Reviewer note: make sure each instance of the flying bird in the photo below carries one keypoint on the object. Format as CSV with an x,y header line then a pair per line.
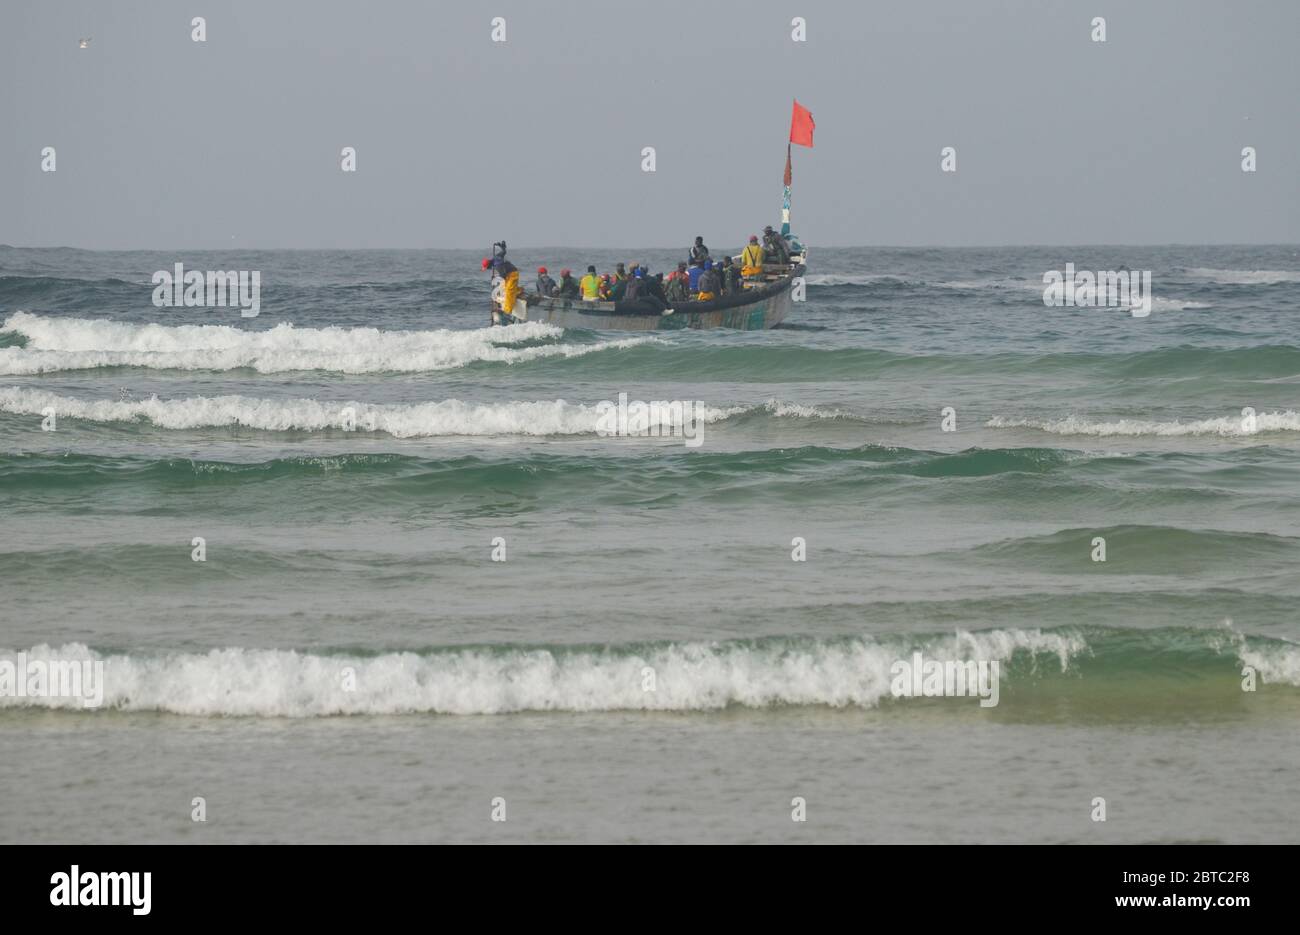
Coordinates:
x,y
83,43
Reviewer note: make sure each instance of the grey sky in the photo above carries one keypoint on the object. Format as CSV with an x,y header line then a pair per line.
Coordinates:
x,y
167,143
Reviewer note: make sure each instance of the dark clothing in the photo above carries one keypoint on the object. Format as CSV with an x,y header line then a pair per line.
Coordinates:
x,y
699,253
568,288
545,285
651,292
732,283
618,290
632,290
709,282
653,288
775,249
677,290
503,267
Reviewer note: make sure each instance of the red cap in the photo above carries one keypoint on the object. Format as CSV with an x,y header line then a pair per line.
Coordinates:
x,y
541,270
753,238
486,262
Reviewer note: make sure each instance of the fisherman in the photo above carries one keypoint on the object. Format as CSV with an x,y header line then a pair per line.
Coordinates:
x,y
509,276
694,274
775,249
731,282
590,285
632,286
618,284
708,284
545,284
699,252
606,286
620,274
568,287
652,288
751,259
678,289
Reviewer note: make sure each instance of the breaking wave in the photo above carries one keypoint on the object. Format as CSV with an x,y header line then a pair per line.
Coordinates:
x,y
1224,426
687,676
1245,277
55,344
429,419
845,672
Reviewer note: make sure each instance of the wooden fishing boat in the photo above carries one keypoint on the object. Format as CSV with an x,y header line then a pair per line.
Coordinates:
x,y
762,303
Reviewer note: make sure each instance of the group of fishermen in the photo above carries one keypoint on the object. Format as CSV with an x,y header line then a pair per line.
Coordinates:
x,y
696,278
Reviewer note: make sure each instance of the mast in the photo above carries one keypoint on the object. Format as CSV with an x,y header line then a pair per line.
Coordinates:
x,y
801,132
785,206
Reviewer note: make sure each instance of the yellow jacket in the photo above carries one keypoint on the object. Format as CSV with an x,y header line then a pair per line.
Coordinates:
x,y
590,286
751,258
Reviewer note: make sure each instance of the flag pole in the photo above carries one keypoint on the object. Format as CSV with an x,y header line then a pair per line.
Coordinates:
x,y
785,207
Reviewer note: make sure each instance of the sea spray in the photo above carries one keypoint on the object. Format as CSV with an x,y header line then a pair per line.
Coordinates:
x,y
56,344
688,676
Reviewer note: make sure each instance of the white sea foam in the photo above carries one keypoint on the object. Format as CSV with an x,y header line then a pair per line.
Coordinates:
x,y
1226,426
444,417
1161,304
794,410
414,420
1035,286
694,676
1245,277
969,285
862,279
55,344
1276,664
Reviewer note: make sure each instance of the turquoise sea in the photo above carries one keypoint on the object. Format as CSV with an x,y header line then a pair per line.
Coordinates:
x,y
649,663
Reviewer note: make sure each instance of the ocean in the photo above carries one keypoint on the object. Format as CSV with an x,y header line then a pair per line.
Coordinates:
x,y
352,660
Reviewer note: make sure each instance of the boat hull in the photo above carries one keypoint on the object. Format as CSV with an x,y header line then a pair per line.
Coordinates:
x,y
767,309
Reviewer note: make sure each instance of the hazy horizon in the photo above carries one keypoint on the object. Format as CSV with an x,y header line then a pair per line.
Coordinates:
x,y
236,141
516,248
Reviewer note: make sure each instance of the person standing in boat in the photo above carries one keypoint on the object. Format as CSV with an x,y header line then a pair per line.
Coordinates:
x,y
699,252
751,259
678,289
568,287
618,284
632,285
708,283
730,277
545,284
652,288
694,273
591,286
774,247
509,276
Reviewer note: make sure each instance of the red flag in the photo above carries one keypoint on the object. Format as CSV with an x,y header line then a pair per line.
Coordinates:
x,y
801,126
